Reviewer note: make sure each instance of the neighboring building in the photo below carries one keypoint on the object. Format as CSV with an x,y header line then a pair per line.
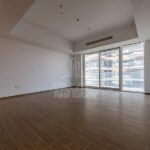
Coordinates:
x,y
132,68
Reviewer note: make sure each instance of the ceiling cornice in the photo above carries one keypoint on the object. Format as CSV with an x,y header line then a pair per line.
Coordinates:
x,y
32,43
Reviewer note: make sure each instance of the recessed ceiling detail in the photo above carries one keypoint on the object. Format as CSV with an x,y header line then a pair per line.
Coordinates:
x,y
99,40
11,11
76,16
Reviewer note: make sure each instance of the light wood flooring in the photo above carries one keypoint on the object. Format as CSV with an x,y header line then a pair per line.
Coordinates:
x,y
75,119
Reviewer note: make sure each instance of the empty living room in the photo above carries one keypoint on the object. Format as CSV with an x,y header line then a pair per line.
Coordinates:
x,y
74,74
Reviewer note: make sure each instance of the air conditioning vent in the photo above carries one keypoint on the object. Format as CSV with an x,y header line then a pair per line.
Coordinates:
x,y
100,40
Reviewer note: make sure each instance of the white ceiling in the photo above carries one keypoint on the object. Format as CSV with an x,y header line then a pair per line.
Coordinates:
x,y
141,10
11,11
100,15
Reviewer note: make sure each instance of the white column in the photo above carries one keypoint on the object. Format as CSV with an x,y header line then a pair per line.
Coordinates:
x,y
147,66
78,71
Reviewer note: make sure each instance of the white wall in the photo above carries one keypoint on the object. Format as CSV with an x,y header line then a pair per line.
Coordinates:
x,y
27,69
123,34
141,10
147,66
34,33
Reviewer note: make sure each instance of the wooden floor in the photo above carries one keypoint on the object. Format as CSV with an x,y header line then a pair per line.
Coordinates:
x,y
75,119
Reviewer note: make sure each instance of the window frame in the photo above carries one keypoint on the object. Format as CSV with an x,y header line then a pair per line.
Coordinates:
x,y
99,52
85,68
122,69
120,49
107,50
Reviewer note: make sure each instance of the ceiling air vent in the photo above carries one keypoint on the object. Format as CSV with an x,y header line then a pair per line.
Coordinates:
x,y
100,40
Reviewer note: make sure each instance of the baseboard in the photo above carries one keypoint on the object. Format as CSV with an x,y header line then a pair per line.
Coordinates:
x,y
110,89
147,93
8,97
33,93
77,87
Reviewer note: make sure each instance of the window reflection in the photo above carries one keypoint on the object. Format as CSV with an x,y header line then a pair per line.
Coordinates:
x,y
133,67
110,68
92,70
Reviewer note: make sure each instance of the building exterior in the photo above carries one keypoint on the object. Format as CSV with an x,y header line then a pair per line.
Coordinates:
x,y
102,69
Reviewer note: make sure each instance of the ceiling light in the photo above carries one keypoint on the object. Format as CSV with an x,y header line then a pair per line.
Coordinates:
x,y
78,19
61,9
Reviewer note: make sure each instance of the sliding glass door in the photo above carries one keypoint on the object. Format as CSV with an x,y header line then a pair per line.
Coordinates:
x,y
92,70
109,68
133,67
116,68
102,69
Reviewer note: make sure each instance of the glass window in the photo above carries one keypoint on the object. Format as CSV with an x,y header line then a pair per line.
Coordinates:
x,y
102,69
92,70
109,72
133,67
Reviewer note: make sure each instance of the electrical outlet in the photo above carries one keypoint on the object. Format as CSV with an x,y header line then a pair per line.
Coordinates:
x,y
16,87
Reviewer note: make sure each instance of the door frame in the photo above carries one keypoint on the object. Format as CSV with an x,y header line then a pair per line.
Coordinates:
x,y
84,70
117,48
120,69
